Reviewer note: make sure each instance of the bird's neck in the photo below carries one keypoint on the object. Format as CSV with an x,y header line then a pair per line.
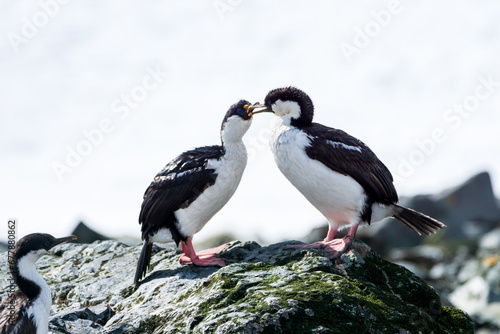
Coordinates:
x,y
281,123
234,149
233,130
285,120
31,283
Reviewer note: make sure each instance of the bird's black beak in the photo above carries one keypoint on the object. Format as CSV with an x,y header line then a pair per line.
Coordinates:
x,y
251,110
61,240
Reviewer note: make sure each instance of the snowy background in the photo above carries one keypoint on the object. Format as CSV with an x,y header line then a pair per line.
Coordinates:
x,y
417,81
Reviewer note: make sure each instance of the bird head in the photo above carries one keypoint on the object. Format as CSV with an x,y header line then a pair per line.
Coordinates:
x,y
35,245
291,104
236,122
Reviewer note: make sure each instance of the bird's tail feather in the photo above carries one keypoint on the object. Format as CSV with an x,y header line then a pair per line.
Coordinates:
x,y
418,222
144,260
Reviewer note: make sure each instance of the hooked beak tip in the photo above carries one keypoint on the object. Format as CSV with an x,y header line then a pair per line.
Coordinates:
x,y
65,239
256,105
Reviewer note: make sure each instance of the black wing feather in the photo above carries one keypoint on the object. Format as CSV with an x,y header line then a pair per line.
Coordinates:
x,y
176,186
359,162
20,323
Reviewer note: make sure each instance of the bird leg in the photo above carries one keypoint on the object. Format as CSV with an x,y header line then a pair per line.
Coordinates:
x,y
332,233
205,258
333,248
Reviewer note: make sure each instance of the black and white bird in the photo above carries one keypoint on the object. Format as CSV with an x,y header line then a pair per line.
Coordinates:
x,y
27,311
336,172
191,189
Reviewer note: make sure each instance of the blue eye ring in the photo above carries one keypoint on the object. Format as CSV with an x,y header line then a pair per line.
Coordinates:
x,y
269,103
239,111
46,243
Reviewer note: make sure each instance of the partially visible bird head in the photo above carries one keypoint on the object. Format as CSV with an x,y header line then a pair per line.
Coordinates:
x,y
33,246
291,104
236,122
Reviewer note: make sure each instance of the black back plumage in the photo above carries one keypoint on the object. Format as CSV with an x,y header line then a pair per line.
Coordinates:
x,y
14,318
355,160
175,187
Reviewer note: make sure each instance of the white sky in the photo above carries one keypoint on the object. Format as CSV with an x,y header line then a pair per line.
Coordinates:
x,y
65,69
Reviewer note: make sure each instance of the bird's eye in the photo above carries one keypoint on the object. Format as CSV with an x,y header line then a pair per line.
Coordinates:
x,y
239,111
269,103
46,244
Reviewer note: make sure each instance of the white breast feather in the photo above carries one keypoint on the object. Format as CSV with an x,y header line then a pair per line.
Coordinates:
x,y
229,170
338,197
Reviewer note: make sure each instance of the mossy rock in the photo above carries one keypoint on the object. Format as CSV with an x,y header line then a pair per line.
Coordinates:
x,y
261,290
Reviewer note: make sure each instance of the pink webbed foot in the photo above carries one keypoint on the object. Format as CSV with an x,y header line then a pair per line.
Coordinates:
x,y
205,258
335,248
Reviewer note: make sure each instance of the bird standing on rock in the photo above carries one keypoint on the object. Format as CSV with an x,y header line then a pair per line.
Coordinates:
x,y
191,189
337,173
27,311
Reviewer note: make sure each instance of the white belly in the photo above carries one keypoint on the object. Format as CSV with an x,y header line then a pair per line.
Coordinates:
x,y
229,171
338,197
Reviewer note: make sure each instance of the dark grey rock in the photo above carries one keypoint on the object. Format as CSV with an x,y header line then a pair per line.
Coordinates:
x,y
470,203
78,319
86,235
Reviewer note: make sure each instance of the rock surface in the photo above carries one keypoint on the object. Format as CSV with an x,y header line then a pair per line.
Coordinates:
x,y
262,290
